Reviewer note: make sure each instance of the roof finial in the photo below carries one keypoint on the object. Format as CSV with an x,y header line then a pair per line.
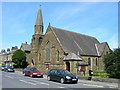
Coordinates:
x,y
49,23
40,6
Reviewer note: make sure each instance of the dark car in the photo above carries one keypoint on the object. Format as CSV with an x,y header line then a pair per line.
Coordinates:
x,y
62,76
32,72
9,69
2,67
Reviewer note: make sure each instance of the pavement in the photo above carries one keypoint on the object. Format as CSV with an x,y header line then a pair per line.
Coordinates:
x,y
93,83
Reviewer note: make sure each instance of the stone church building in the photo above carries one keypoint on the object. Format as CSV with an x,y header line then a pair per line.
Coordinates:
x,y
62,49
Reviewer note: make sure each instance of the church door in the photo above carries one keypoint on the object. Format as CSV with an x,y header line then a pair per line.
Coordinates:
x,y
68,66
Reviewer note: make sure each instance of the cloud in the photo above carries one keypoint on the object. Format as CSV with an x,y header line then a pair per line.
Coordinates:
x,y
113,41
63,13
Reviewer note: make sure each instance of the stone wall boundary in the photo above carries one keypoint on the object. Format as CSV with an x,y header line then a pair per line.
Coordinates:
x,y
109,80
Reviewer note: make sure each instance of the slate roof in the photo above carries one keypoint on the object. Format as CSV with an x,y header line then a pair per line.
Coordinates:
x,y
25,47
101,47
78,43
72,56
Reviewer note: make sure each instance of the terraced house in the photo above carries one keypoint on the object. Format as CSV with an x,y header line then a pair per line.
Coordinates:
x,y
63,49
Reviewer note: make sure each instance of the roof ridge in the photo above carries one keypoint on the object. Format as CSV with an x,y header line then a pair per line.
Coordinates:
x,y
24,44
103,42
74,32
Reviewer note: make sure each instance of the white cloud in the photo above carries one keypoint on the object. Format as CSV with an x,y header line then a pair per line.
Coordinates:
x,y
65,12
113,41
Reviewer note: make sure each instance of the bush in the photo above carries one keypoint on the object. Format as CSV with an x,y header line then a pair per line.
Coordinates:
x,y
112,64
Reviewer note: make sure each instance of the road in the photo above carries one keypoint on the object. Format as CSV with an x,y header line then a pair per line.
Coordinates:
x,y
17,80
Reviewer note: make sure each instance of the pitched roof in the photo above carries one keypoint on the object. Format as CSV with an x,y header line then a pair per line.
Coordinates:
x,y
72,56
25,47
77,43
101,47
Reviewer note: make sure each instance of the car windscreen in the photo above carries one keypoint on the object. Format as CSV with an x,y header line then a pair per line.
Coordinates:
x,y
10,67
65,72
33,69
3,66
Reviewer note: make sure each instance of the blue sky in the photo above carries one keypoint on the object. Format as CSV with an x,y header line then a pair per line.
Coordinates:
x,y
97,19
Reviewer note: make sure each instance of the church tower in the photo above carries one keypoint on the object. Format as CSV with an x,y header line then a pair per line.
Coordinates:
x,y
37,38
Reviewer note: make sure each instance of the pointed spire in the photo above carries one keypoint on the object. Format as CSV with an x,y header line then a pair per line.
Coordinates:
x,y
39,20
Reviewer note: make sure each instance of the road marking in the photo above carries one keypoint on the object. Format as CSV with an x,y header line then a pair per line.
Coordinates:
x,y
44,83
93,85
39,82
27,82
9,77
60,87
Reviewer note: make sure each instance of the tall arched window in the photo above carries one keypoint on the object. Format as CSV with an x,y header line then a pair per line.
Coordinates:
x,y
48,51
96,61
40,40
58,55
39,57
89,61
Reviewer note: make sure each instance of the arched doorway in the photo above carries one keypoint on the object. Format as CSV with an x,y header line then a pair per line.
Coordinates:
x,y
68,66
32,62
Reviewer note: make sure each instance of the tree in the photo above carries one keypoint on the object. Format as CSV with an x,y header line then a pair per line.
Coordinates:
x,y
19,59
112,64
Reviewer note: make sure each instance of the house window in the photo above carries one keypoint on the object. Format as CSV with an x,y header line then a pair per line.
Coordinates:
x,y
48,51
58,55
89,61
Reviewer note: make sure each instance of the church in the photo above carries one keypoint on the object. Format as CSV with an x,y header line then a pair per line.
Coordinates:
x,y
63,49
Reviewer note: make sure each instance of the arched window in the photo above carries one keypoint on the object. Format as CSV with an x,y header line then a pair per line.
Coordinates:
x,y
96,61
89,61
39,57
48,51
40,40
58,55
106,53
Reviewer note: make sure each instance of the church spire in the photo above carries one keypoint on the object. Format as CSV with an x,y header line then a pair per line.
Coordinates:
x,y
39,22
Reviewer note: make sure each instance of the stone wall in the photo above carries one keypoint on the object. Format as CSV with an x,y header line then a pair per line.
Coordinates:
x,y
109,80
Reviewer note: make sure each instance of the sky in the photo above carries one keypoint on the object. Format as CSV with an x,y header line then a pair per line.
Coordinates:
x,y
97,19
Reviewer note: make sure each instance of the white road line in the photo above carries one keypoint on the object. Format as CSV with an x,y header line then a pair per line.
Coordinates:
x,y
9,77
93,85
40,82
27,82
60,87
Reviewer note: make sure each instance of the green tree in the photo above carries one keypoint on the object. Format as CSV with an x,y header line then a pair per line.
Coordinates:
x,y
19,59
112,64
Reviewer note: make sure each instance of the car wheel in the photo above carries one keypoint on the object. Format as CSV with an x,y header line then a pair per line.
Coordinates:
x,y
24,74
48,78
62,81
76,82
31,75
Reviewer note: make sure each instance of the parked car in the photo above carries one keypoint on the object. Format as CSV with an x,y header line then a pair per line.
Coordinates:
x,y
2,67
32,72
62,76
9,69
